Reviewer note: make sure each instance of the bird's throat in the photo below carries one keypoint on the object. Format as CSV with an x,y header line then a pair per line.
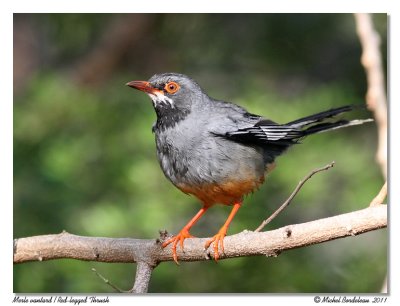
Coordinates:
x,y
168,116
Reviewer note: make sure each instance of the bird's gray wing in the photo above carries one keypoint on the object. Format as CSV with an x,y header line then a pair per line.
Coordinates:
x,y
266,133
241,126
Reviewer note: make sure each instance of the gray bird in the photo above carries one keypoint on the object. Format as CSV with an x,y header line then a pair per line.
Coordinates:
x,y
216,150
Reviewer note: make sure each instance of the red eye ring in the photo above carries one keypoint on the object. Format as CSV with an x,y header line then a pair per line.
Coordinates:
x,y
171,87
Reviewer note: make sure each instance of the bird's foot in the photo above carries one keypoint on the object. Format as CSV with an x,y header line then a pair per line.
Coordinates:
x,y
182,235
217,239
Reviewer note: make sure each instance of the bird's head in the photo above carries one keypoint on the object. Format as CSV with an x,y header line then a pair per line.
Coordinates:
x,y
170,92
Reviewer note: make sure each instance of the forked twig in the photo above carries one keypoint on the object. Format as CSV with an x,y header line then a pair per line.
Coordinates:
x,y
287,202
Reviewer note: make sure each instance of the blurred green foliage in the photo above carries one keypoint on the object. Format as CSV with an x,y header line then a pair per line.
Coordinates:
x,y
85,160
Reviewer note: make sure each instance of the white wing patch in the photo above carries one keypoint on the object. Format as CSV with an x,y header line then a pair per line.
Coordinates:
x,y
276,132
281,132
272,132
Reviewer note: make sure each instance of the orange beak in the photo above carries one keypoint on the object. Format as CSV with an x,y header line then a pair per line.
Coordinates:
x,y
143,86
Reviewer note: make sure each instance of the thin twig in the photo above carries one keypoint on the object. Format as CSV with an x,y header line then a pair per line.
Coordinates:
x,y
108,282
287,202
378,200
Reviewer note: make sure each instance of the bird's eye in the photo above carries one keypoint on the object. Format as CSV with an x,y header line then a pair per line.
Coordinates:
x,y
171,87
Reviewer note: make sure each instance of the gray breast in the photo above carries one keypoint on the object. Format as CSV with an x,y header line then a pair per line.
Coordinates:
x,y
189,154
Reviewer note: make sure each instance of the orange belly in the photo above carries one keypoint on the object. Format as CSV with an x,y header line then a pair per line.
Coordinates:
x,y
227,192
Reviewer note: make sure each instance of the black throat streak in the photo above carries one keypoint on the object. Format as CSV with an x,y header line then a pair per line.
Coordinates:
x,y
168,116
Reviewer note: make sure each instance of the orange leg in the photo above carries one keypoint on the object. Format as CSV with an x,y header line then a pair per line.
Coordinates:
x,y
183,234
219,237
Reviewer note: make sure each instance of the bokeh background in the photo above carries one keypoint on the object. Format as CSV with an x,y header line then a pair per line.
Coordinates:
x,y
85,160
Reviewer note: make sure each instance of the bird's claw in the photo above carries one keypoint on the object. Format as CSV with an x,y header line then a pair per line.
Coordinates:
x,y
182,235
217,239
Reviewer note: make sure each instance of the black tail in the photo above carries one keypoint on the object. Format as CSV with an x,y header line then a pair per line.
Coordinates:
x,y
309,125
278,137
321,116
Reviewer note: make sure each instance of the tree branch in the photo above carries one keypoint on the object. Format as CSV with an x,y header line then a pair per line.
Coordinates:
x,y
380,196
246,243
142,279
376,96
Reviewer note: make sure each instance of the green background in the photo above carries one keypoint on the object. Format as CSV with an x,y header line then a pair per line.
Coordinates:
x,y
85,159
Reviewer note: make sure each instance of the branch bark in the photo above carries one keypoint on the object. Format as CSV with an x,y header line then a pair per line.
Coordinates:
x,y
246,243
371,59
142,279
380,197
376,97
